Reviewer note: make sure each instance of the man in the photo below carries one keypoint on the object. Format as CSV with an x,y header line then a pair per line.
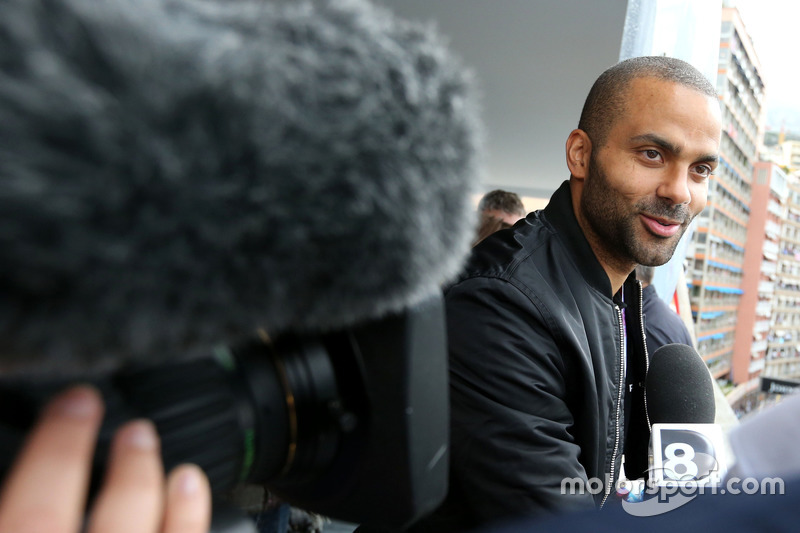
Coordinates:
x,y
505,205
661,324
497,210
547,355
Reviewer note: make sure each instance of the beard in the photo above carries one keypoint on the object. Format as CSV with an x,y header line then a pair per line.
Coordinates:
x,y
616,224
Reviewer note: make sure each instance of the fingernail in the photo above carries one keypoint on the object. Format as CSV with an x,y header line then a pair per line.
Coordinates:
x,y
140,434
78,402
189,480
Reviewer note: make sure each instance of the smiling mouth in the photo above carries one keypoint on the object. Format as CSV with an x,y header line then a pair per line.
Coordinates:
x,y
661,227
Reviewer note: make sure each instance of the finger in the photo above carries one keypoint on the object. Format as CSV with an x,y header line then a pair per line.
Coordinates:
x,y
188,501
46,488
131,498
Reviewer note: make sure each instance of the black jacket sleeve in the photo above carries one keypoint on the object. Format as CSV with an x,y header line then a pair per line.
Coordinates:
x,y
511,446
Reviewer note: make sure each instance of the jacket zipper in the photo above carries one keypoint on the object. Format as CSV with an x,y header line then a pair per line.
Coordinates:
x,y
620,387
646,355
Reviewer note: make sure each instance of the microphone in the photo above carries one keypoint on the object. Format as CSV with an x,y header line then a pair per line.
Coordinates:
x,y
180,173
284,185
678,387
685,445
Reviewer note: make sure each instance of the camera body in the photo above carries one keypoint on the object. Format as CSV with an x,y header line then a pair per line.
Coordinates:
x,y
352,424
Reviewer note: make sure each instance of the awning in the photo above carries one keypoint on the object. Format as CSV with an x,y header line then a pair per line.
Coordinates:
x,y
724,290
724,266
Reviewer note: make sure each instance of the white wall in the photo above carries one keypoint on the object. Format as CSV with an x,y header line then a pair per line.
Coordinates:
x,y
535,60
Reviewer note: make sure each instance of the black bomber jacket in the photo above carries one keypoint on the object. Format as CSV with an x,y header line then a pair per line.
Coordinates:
x,y
536,375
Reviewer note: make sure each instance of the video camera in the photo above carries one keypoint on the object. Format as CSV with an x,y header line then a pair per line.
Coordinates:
x,y
350,424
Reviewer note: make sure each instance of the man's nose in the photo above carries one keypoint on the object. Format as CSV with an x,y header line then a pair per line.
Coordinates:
x,y
675,186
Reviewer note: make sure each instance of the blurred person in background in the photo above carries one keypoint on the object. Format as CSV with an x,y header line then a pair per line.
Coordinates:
x,y
497,210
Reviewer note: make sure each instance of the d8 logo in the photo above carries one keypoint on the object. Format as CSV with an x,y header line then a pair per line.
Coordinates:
x,y
687,455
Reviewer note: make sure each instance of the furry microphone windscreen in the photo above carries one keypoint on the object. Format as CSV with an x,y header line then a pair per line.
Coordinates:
x,y
175,174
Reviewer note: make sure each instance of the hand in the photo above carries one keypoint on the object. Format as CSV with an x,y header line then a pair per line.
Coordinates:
x,y
46,488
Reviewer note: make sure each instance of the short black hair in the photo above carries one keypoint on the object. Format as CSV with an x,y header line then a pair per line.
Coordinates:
x,y
500,200
607,97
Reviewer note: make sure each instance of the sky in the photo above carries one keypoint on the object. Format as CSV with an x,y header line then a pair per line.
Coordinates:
x,y
773,26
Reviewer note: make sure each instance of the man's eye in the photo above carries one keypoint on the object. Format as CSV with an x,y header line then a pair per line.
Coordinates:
x,y
703,170
652,154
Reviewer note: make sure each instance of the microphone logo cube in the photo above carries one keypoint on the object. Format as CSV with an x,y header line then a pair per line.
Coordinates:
x,y
687,455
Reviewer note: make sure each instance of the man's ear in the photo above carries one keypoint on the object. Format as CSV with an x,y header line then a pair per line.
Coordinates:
x,y
579,151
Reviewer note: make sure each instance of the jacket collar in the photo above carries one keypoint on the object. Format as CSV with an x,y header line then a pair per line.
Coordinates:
x,y
559,214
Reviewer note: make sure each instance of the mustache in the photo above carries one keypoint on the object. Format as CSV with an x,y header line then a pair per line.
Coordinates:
x,y
664,209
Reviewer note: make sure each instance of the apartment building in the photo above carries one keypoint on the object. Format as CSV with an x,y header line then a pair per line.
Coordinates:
x,y
783,348
760,280
715,256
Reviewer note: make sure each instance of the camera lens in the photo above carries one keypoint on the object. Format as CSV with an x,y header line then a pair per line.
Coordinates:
x,y
277,413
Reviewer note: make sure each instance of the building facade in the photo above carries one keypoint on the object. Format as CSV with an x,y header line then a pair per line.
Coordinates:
x,y
760,278
790,150
715,257
783,348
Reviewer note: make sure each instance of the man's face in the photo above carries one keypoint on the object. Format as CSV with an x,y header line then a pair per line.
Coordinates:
x,y
650,179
